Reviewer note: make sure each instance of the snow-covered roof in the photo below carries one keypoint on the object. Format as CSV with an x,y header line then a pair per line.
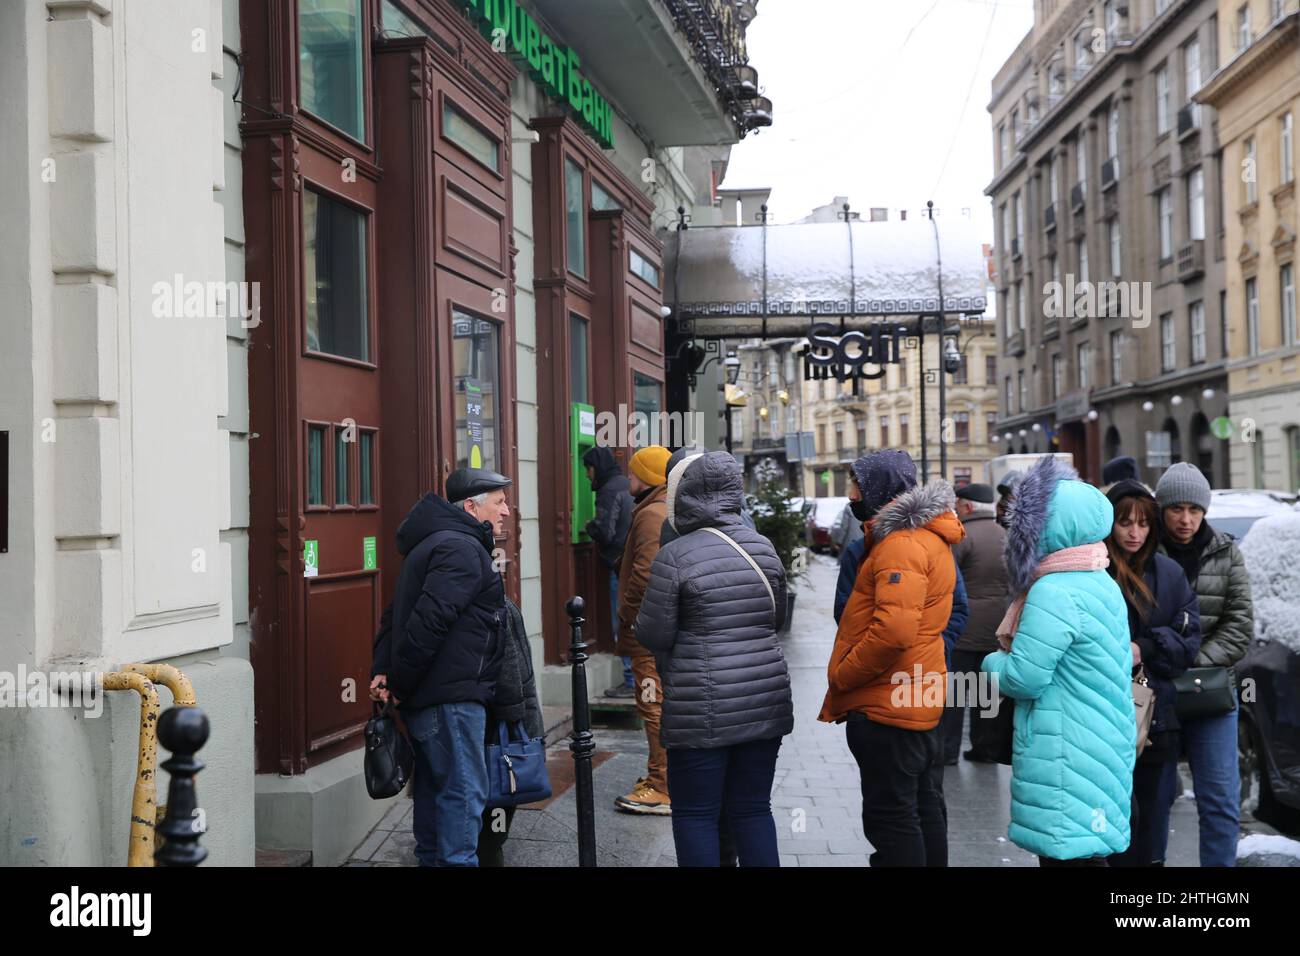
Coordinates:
x,y
715,274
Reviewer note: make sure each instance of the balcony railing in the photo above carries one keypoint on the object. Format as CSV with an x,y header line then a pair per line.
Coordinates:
x,y
1015,248
1189,120
1191,260
1049,217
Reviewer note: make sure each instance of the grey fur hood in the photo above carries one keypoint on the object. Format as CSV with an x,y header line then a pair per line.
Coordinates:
x,y
914,509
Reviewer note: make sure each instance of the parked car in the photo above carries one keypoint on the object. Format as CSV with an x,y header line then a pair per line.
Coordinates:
x,y
845,531
1268,734
1234,510
821,518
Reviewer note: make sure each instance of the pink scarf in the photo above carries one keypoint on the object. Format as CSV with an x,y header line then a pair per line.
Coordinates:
x,y
1085,557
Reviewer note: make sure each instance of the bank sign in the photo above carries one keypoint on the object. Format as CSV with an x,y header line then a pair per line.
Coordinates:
x,y
554,66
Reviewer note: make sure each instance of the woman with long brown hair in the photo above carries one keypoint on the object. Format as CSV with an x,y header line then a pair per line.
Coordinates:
x,y
1165,629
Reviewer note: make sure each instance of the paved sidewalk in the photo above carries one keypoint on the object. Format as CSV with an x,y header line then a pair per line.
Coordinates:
x,y
816,798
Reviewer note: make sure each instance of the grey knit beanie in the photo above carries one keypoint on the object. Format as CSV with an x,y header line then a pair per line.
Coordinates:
x,y
1183,483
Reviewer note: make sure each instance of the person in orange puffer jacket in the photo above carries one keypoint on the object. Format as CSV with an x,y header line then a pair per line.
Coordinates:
x,y
886,673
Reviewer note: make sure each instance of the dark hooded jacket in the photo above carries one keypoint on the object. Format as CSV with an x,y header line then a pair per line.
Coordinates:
x,y
516,690
441,640
710,621
613,506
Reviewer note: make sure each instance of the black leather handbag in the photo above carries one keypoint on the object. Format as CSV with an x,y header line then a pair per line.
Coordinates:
x,y
389,757
1204,692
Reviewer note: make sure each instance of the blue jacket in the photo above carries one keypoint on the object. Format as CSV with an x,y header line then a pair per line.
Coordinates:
x,y
1075,736
851,560
1169,638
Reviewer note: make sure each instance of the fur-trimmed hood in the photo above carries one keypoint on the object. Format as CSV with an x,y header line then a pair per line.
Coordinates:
x,y
926,506
1050,510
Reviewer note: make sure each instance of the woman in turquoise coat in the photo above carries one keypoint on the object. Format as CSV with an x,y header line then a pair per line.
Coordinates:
x,y
1067,666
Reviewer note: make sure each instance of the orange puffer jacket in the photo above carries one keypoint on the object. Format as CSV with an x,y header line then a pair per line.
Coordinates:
x,y
888,660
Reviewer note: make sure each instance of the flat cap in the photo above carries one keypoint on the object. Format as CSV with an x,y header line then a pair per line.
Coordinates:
x,y
467,482
980,493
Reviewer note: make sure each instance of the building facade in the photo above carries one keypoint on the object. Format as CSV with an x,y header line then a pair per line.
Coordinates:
x,y
1107,200
442,222
1256,94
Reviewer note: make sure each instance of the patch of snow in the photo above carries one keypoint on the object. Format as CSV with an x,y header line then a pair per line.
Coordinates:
x,y
1268,843
1270,549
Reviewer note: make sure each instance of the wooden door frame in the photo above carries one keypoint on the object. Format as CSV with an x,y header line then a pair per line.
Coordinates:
x,y
278,138
558,293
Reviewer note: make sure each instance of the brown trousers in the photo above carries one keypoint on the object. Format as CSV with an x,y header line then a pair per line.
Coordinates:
x,y
649,707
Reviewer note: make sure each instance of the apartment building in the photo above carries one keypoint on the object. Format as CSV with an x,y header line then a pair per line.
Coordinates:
x,y
1110,237
1256,94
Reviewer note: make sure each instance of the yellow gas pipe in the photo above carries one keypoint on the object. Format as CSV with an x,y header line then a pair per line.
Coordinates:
x,y
143,804
145,812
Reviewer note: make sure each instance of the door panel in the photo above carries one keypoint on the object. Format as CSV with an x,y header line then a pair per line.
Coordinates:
x,y
340,618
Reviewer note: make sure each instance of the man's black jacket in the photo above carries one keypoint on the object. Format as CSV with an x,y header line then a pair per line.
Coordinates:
x,y
440,641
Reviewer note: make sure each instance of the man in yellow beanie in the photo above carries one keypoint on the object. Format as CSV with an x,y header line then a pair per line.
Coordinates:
x,y
649,488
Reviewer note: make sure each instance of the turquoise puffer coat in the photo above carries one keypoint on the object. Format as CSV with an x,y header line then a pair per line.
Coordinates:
x,y
1069,672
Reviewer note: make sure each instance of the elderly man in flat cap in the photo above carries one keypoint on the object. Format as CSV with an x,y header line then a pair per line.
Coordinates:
x,y
979,562
438,652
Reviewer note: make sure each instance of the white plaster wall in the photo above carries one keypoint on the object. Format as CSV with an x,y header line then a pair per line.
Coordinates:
x,y
119,485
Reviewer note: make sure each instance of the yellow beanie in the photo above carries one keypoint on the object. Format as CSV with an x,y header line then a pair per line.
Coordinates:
x,y
650,464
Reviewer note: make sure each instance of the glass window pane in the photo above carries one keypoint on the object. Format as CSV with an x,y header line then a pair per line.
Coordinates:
x,y
315,465
341,467
601,198
338,309
398,23
329,63
578,367
477,380
646,399
469,136
577,218
366,453
643,267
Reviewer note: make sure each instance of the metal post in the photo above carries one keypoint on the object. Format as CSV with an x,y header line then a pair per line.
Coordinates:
x,y
925,437
582,744
183,731
728,404
943,403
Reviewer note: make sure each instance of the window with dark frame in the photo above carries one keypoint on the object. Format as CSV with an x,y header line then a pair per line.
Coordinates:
x,y
331,74
335,264
316,465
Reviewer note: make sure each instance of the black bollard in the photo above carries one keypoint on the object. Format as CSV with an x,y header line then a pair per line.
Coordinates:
x,y
582,744
183,731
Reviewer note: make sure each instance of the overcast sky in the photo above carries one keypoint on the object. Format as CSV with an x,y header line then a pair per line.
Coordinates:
x,y
870,97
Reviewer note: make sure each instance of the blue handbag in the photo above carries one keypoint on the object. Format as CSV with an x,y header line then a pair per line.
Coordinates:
x,y
516,768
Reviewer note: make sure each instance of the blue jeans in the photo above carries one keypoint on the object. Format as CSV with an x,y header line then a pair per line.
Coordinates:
x,y
451,782
701,783
1211,744
613,616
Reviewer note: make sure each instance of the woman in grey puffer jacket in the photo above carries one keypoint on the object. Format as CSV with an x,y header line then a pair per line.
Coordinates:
x,y
711,622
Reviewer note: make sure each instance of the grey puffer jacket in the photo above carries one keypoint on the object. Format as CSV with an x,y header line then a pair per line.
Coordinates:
x,y
709,620
1223,593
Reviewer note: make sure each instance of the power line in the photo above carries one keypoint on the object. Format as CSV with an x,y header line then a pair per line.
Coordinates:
x,y
956,126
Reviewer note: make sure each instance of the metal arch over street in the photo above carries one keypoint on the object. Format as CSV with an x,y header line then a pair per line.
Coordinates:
x,y
759,281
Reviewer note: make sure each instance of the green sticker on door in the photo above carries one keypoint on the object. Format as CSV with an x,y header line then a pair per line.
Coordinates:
x,y
369,554
310,559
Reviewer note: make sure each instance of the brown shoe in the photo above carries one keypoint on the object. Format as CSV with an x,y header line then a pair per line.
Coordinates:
x,y
645,799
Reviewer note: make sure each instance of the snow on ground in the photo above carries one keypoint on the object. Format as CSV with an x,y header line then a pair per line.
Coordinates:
x,y
1270,549
1270,843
